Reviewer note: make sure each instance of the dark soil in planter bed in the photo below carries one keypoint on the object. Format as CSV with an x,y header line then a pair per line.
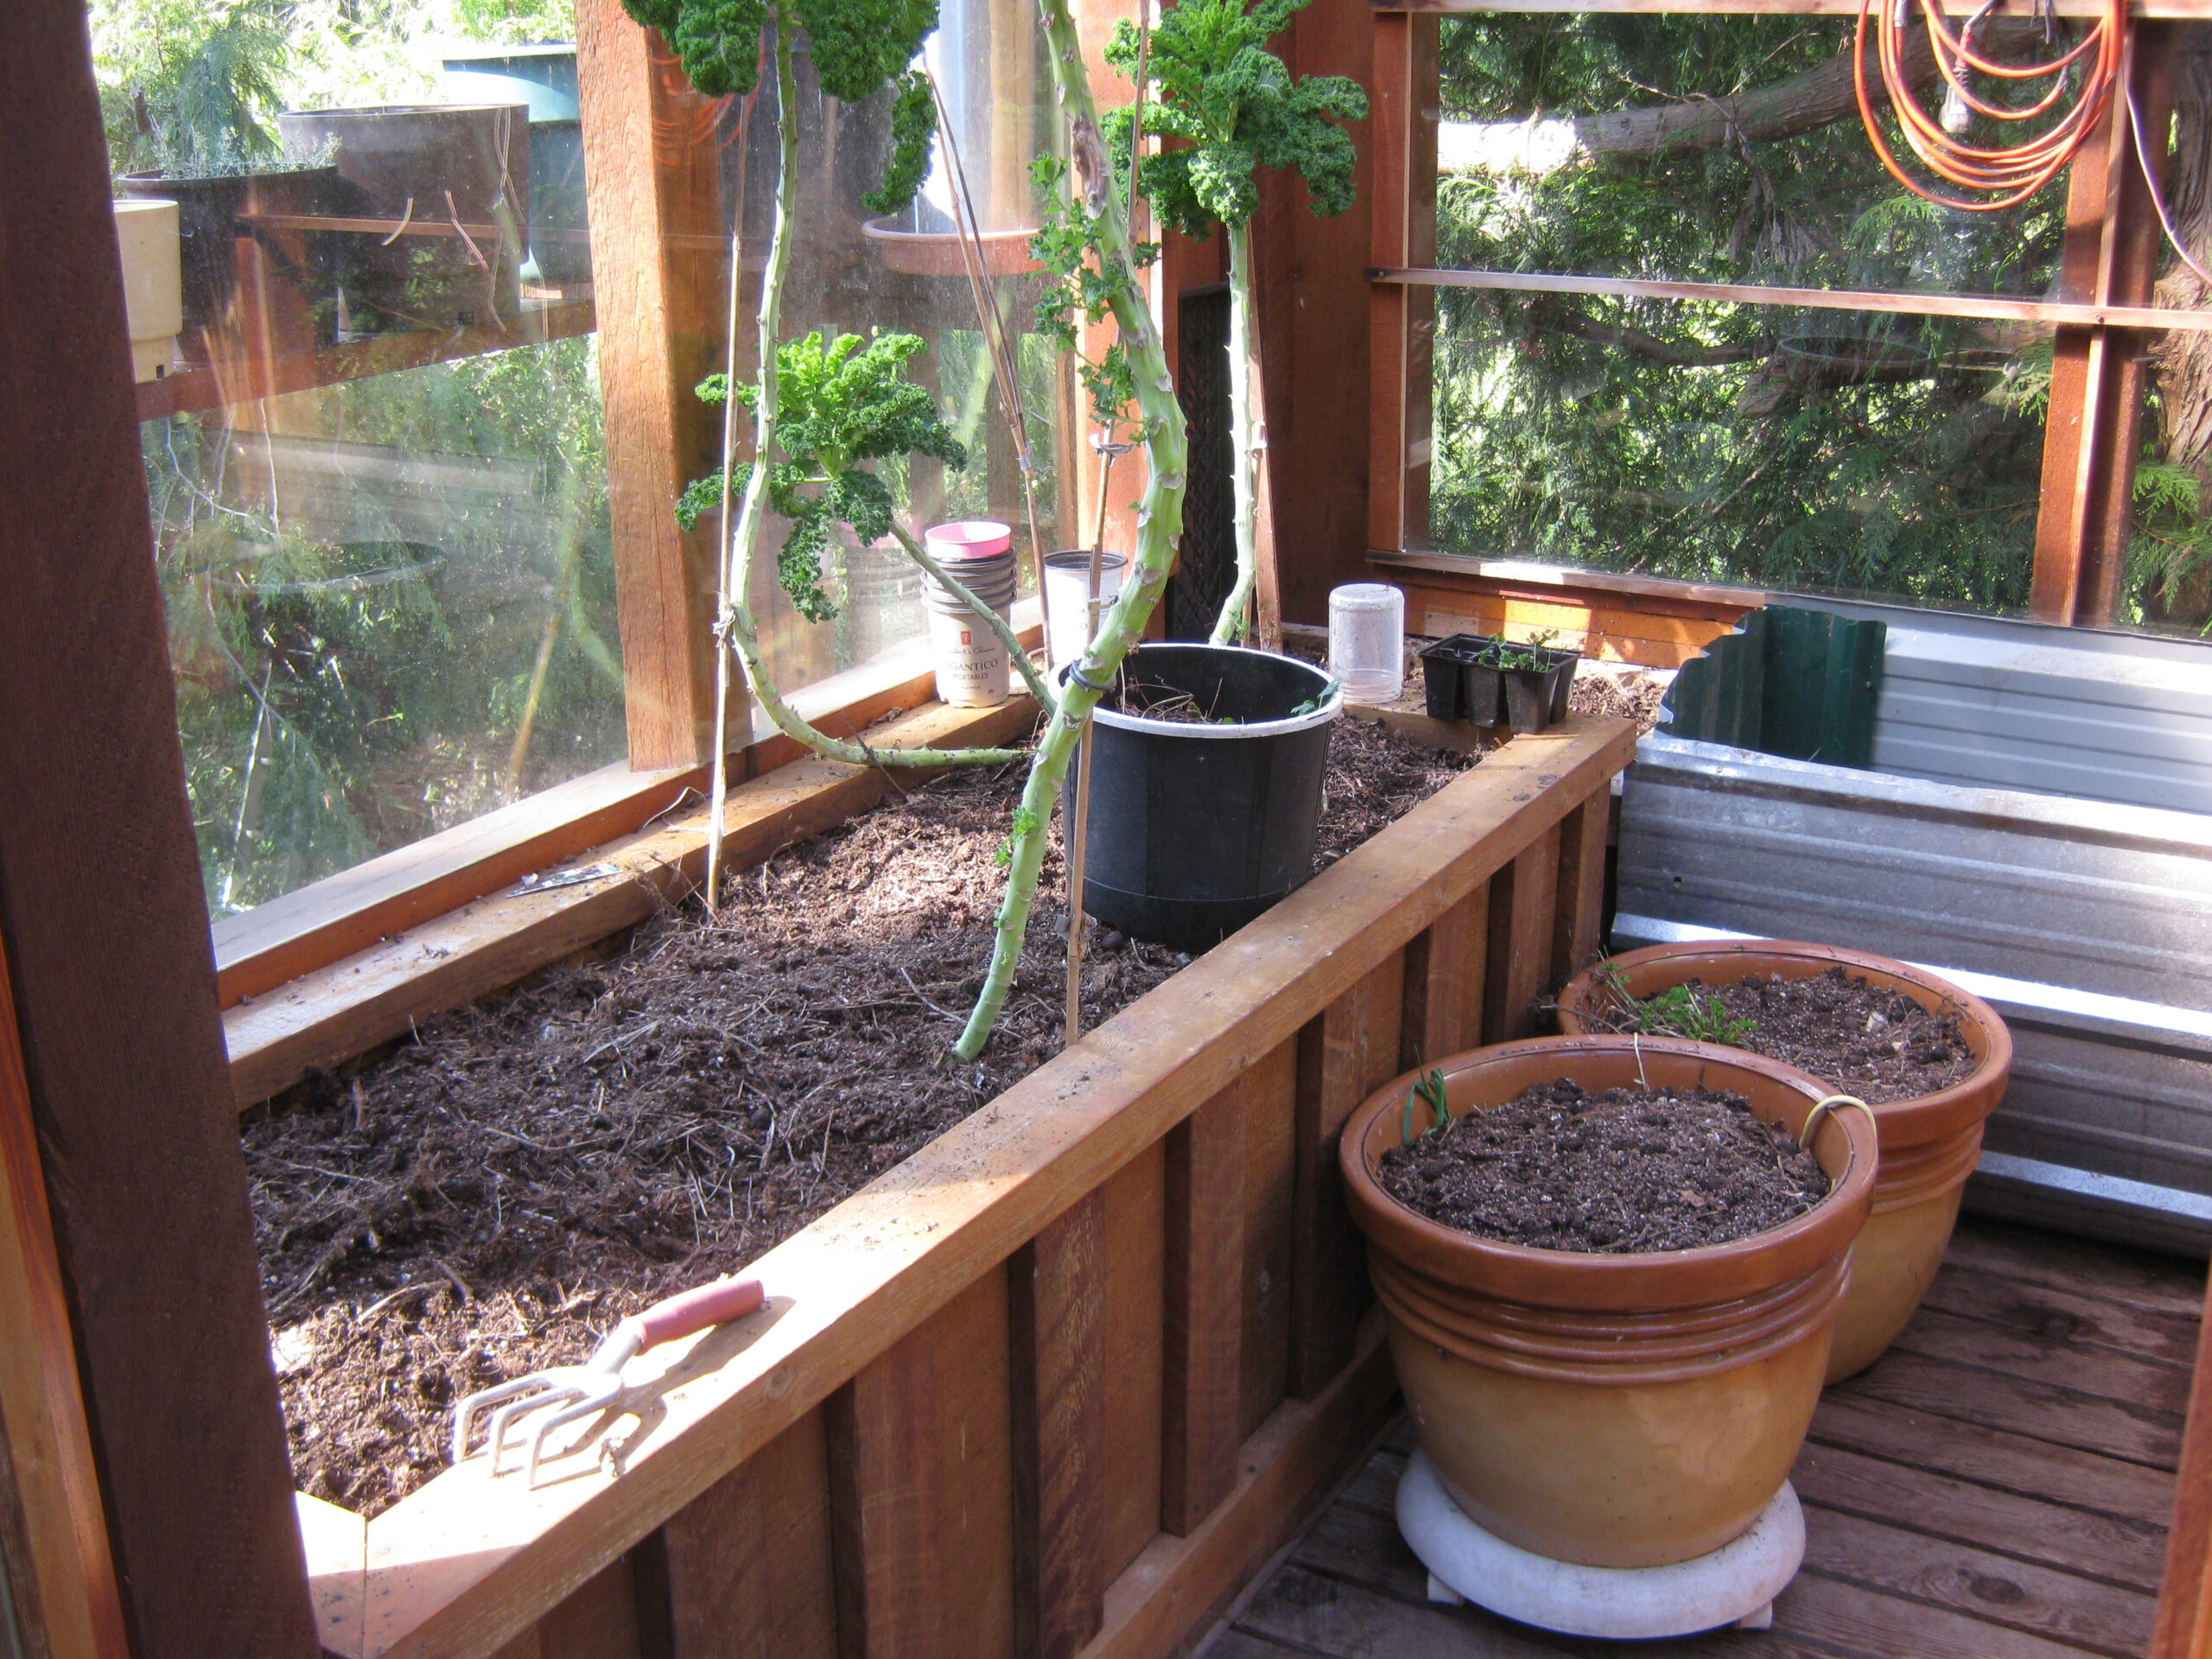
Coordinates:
x,y
498,1192
1620,1173
1880,1044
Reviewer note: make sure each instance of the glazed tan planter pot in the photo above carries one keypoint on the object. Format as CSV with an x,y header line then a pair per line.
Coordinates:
x,y
1611,1410
1930,1143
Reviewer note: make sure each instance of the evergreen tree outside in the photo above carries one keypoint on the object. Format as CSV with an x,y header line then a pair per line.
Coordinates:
x,y
1872,453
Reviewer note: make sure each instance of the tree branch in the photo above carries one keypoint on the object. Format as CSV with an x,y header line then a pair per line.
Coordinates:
x,y
1784,109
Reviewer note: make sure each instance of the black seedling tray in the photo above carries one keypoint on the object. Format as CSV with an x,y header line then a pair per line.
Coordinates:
x,y
1459,681
1463,680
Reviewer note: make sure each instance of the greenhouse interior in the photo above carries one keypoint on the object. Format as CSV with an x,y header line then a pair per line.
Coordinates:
x,y
1106,829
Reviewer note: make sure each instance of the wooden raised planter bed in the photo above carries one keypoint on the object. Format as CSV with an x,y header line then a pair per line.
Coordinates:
x,y
1066,1378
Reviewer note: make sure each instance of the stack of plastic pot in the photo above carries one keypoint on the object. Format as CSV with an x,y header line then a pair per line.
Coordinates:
x,y
971,661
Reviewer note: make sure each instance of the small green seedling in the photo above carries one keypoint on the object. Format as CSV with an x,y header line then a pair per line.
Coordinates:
x,y
1429,1089
1680,1011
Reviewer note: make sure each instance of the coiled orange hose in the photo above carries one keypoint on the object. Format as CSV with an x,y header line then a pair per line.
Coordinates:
x,y
2013,172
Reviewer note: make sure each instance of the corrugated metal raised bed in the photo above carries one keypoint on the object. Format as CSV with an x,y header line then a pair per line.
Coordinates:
x,y
2026,706
2088,925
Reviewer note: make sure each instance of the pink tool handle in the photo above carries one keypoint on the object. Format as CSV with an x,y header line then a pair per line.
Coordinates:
x,y
694,1310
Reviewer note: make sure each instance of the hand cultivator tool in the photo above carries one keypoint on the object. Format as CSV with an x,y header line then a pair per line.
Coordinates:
x,y
574,1392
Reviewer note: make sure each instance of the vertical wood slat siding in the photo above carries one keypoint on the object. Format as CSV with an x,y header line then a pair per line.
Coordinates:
x,y
1136,1274
1270,1160
1078,1434
744,1572
1342,1056
1055,1289
1522,900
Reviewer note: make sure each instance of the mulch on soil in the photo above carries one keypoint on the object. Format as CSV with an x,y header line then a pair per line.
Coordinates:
x,y
1635,698
1619,1173
497,1192
1879,1044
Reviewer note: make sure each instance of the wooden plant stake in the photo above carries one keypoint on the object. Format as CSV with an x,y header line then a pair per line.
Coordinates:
x,y
1079,829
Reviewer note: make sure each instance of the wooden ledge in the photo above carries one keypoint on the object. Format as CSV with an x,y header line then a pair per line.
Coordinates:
x,y
335,1013
463,1565
1529,573
315,926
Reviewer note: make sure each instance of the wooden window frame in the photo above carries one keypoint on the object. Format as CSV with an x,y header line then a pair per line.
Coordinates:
x,y
2110,263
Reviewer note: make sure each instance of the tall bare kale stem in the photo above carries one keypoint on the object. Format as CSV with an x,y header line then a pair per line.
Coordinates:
x,y
1159,522
1248,438
745,540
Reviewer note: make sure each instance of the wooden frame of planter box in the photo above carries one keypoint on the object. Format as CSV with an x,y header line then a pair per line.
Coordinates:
x,y
1061,1381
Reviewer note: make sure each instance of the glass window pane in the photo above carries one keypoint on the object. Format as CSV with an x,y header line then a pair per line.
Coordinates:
x,y
371,408
391,608
1832,451
1705,148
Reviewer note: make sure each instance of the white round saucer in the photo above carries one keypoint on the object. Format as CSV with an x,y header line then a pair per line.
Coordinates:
x,y
1735,1585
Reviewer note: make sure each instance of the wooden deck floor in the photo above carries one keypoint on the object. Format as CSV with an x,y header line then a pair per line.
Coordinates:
x,y
1996,1487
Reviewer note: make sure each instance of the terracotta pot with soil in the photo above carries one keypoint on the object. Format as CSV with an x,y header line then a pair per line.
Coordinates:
x,y
1615,1394
1933,1065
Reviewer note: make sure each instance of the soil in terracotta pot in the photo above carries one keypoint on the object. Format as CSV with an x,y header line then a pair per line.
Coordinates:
x,y
1878,1044
497,1192
1618,1172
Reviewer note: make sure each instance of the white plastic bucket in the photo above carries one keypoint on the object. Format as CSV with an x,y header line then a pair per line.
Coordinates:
x,y
153,281
1067,593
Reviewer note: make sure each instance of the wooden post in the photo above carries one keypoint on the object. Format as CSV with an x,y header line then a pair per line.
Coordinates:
x,y
106,929
53,1535
2090,435
652,164
1315,304
1402,317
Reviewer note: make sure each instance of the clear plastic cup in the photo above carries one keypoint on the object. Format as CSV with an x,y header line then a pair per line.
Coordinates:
x,y
1367,641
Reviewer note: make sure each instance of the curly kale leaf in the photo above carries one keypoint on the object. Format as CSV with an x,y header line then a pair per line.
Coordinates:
x,y
844,401
840,404
1215,85
913,128
798,566
859,47
718,40
1066,244
704,495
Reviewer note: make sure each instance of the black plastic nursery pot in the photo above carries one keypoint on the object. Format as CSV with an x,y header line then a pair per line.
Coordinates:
x,y
213,212
1197,827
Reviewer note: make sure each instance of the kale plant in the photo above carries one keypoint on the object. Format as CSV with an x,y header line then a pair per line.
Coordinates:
x,y
1213,86
823,413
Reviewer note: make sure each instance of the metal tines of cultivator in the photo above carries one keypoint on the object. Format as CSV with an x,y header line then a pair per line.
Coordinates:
x,y
569,1394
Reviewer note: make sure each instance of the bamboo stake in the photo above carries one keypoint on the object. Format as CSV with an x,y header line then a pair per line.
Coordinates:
x,y
1078,830
718,787
1006,364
